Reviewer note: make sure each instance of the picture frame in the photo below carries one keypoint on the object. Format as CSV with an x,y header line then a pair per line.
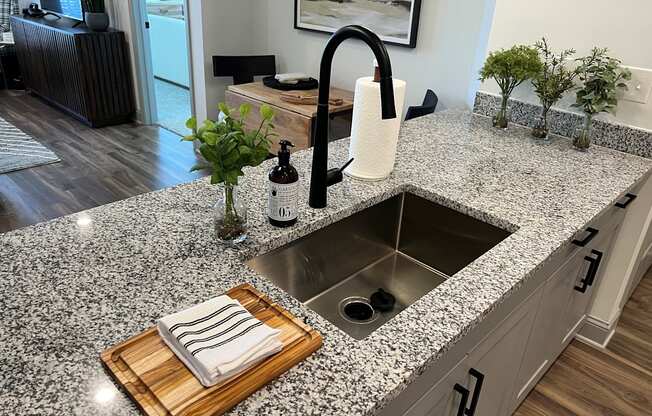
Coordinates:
x,y
396,22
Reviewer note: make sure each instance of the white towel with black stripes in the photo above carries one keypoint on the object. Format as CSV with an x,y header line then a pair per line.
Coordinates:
x,y
218,339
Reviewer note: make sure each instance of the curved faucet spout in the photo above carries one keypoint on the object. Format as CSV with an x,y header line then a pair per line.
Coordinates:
x,y
380,52
319,176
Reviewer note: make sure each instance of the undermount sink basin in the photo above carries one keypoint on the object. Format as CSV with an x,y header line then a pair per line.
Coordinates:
x,y
405,245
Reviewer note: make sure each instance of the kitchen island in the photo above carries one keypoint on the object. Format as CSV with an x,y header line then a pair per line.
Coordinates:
x,y
76,285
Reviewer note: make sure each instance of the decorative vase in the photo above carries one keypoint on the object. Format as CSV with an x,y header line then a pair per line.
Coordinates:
x,y
230,217
97,22
582,139
540,129
501,119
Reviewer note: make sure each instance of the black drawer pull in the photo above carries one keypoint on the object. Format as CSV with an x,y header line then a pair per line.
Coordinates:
x,y
630,199
592,272
592,233
477,389
465,398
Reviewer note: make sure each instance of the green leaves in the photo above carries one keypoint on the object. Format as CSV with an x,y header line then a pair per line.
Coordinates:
x,y
228,146
554,78
511,67
200,166
266,112
224,109
245,109
602,78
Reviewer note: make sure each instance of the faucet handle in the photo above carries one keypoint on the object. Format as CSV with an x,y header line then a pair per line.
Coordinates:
x,y
335,175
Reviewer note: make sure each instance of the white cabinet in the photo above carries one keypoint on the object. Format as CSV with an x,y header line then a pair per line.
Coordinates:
x,y
497,359
549,330
446,397
564,305
481,384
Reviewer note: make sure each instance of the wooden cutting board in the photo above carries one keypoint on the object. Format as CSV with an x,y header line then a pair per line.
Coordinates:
x,y
161,384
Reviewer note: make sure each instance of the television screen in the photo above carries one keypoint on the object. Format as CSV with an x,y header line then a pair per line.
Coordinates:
x,y
68,8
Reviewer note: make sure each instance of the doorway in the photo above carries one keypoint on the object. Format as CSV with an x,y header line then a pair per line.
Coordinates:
x,y
166,82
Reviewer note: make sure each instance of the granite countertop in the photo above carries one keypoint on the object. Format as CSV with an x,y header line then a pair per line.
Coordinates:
x,y
76,285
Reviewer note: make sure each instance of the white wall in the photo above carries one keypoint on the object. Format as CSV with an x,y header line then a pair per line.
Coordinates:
x,y
623,27
219,27
450,34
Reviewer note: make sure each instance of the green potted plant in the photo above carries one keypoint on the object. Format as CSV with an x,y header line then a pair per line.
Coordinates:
x,y
510,68
551,83
228,146
602,78
95,15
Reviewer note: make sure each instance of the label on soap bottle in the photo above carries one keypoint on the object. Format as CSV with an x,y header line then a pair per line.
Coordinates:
x,y
282,204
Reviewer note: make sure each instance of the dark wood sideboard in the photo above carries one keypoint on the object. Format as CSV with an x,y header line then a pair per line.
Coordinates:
x,y
83,73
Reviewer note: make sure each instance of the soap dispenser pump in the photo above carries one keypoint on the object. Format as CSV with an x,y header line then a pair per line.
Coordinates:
x,y
283,189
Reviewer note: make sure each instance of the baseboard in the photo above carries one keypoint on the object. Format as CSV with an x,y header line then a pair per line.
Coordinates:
x,y
595,334
139,116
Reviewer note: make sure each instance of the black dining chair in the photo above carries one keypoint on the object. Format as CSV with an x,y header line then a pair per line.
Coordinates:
x,y
428,107
244,68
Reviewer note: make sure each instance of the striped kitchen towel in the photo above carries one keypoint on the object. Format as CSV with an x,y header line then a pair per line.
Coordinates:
x,y
218,339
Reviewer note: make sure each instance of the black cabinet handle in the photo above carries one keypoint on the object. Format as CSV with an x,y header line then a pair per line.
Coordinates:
x,y
465,398
477,389
592,272
630,199
592,233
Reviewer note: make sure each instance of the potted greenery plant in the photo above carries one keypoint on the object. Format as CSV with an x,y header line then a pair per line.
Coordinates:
x,y
551,83
602,78
510,68
95,15
227,146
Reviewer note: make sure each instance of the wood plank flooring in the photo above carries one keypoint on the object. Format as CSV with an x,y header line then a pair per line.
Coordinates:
x,y
585,381
98,166
633,336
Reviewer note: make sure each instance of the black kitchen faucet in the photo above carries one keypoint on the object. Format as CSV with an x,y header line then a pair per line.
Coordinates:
x,y
321,177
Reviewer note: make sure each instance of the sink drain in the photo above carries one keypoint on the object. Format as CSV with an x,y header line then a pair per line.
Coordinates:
x,y
357,310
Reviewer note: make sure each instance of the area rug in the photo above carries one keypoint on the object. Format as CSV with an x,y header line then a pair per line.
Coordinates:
x,y
20,151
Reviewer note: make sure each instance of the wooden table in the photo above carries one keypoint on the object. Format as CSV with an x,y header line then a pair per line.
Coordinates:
x,y
295,122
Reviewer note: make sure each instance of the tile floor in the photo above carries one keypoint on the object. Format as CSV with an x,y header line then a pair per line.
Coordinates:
x,y
173,105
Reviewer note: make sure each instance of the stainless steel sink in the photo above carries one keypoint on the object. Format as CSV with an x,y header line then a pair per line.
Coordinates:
x,y
405,245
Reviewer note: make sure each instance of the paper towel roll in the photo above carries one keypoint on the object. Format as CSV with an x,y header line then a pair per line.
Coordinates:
x,y
373,140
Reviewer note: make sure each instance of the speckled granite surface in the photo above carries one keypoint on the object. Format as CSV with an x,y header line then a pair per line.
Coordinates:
x,y
612,135
74,286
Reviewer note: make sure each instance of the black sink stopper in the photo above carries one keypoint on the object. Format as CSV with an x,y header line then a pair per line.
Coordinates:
x,y
382,301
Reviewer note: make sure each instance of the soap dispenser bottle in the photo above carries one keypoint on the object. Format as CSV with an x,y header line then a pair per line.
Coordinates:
x,y
283,189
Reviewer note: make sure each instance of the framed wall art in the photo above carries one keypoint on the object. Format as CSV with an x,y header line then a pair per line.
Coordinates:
x,y
396,22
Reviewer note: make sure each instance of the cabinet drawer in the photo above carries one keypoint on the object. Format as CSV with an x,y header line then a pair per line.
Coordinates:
x,y
598,257
495,362
566,299
442,399
549,330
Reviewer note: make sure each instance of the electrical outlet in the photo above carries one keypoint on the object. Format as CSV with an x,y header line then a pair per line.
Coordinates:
x,y
640,86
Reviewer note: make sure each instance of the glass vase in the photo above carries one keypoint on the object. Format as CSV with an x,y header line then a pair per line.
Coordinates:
x,y
501,119
540,129
582,137
230,217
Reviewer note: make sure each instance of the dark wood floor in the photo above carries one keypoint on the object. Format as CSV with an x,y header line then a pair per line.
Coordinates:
x,y
97,166
633,337
615,382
